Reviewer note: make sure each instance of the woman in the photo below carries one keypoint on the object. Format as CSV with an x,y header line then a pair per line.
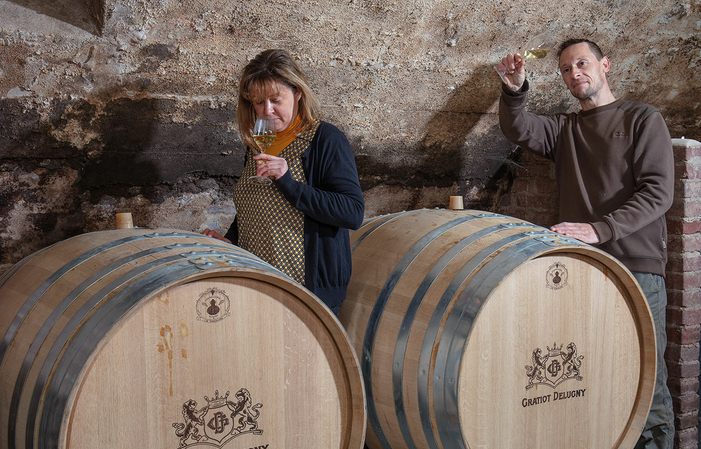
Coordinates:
x,y
300,223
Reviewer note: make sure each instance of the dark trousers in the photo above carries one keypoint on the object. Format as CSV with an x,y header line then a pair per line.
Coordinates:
x,y
659,429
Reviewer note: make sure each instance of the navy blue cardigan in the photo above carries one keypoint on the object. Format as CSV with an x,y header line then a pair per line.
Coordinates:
x,y
332,203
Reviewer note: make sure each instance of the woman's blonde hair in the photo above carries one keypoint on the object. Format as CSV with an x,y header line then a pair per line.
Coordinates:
x,y
260,77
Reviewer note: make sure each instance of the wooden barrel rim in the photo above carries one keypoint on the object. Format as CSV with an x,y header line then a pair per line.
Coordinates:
x,y
376,314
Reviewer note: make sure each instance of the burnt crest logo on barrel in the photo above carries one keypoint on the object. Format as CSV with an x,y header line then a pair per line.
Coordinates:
x,y
219,421
556,277
213,305
554,367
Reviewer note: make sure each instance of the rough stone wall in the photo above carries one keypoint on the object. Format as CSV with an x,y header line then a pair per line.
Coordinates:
x,y
119,105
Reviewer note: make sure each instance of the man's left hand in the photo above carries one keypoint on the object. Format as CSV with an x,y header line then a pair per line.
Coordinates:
x,y
580,231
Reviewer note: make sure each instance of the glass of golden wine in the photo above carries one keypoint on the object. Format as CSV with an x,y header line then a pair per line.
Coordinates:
x,y
538,46
263,134
531,53
535,53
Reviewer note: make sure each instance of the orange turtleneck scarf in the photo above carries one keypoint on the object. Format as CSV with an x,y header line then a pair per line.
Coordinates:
x,y
284,138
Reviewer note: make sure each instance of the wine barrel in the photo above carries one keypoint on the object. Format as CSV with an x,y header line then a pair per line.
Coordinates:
x,y
170,339
478,330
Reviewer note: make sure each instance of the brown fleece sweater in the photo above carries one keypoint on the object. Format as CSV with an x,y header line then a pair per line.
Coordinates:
x,y
615,170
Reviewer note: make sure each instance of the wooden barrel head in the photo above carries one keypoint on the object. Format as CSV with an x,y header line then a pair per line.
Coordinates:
x,y
482,330
143,338
553,343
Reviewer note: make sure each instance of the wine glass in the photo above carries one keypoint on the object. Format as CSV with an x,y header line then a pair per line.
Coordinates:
x,y
263,134
537,47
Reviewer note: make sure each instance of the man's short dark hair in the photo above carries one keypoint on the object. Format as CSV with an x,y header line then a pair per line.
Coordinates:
x,y
592,46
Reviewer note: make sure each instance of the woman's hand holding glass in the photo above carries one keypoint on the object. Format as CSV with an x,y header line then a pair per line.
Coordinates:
x,y
269,166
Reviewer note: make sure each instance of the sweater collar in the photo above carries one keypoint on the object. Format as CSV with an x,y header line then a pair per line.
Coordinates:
x,y
613,105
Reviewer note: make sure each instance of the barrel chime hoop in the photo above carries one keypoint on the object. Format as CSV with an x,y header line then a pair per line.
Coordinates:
x,y
460,320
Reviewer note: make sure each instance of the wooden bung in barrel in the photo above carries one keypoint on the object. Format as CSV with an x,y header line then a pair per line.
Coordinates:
x,y
478,330
123,220
139,338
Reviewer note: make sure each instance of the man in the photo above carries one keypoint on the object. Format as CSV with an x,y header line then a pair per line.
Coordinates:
x,y
615,174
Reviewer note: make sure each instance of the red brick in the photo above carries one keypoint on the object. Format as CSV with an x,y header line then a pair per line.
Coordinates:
x,y
683,315
691,227
686,420
683,281
686,403
686,152
686,171
683,262
674,224
677,225
675,263
682,353
686,439
685,243
676,212
684,298
683,386
687,188
683,335
685,208
686,369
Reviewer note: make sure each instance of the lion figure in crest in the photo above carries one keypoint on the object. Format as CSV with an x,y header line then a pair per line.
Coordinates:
x,y
193,418
243,412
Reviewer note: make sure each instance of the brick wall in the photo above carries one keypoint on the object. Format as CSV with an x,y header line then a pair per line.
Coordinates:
x,y
533,197
533,194
684,291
